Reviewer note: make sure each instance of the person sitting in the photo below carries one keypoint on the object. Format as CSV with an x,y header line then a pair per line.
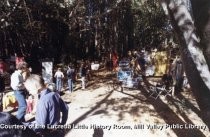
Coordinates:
x,y
167,80
49,105
6,119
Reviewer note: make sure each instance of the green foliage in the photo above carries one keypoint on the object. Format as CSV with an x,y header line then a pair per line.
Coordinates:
x,y
73,29
151,24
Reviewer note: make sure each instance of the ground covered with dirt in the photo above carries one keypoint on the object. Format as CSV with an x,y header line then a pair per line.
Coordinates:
x,y
105,109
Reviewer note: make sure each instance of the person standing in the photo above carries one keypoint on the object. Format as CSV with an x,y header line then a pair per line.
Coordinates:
x,y
59,80
179,75
83,72
115,60
142,63
70,76
17,84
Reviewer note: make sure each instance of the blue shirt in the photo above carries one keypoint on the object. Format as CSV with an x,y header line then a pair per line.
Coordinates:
x,y
70,73
49,107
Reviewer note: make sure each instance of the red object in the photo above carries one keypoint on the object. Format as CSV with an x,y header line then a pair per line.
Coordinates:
x,y
30,106
114,60
2,67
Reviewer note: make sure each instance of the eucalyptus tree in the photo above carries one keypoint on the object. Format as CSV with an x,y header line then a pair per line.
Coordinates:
x,y
29,27
190,19
151,26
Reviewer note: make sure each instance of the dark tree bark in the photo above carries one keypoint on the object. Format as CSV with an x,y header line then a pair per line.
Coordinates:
x,y
195,62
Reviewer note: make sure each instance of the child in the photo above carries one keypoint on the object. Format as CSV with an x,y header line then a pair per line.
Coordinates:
x,y
30,104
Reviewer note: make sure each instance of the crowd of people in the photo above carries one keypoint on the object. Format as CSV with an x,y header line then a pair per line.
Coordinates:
x,y
72,74
143,62
35,96
49,107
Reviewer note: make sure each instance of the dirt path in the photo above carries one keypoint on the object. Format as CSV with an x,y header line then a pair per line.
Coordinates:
x,y
131,113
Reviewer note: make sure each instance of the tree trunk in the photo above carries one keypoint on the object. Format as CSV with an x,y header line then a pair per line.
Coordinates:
x,y
201,13
195,64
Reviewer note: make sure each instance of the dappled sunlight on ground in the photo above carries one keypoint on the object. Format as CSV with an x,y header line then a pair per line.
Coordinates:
x,y
131,113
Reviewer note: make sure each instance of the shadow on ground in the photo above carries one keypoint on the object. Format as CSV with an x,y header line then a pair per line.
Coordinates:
x,y
172,118
122,106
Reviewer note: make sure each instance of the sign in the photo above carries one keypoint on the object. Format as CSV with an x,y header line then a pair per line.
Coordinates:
x,y
47,71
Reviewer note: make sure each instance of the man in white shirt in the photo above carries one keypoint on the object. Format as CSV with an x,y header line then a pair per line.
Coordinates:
x,y
59,80
17,84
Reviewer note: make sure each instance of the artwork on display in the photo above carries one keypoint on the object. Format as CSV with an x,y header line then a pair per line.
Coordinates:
x,y
47,71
